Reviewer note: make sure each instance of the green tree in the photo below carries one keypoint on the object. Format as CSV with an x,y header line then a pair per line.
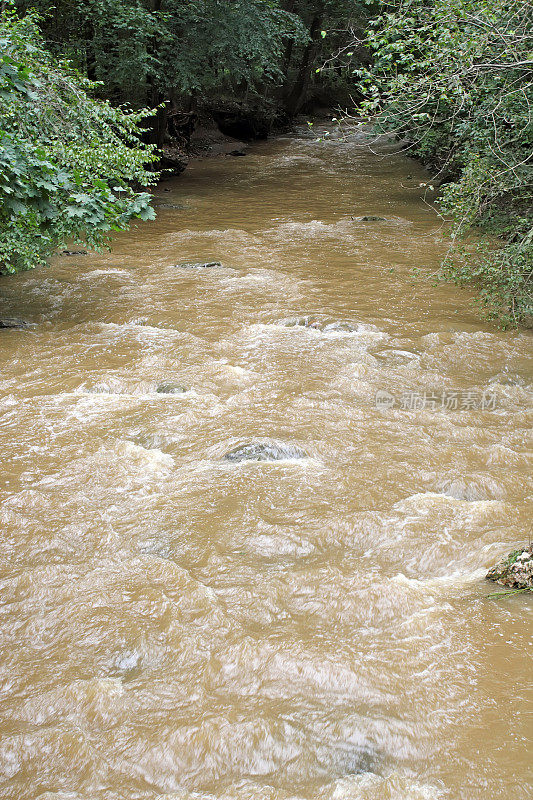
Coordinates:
x,y
321,67
177,52
68,163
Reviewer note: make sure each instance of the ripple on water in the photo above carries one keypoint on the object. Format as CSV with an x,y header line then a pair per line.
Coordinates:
x,y
310,628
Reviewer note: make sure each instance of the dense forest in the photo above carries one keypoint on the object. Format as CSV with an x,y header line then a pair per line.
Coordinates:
x,y
96,97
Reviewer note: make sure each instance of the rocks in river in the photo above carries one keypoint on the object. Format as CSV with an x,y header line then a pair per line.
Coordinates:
x,y
303,322
369,218
341,327
355,760
14,323
171,388
320,325
74,252
197,265
264,451
177,206
397,357
515,570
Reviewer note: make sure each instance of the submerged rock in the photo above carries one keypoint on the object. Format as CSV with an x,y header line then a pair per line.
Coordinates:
x,y
369,218
318,325
74,252
198,265
515,570
14,322
264,451
343,327
303,322
397,357
178,206
171,388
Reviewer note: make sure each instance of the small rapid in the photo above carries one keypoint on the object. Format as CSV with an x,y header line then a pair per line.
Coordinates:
x,y
254,472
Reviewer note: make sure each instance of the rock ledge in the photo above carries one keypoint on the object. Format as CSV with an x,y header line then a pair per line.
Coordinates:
x,y
515,570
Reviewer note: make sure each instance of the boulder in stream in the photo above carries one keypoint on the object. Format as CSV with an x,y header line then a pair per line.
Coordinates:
x,y
515,570
74,252
176,206
15,323
197,265
369,218
171,388
340,327
303,322
320,325
264,451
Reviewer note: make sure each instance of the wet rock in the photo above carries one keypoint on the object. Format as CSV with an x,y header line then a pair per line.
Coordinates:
x,y
171,388
369,218
325,327
225,147
355,760
177,206
303,322
264,451
343,327
74,252
198,265
515,570
14,322
397,357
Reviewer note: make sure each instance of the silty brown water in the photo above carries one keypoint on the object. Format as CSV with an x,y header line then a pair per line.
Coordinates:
x,y
179,625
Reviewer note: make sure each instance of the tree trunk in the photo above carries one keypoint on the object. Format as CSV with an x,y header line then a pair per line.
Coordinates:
x,y
296,97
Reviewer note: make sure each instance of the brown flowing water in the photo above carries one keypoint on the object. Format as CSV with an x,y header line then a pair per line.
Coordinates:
x,y
176,625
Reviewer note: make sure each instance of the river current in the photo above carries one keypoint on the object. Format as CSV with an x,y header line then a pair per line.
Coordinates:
x,y
309,624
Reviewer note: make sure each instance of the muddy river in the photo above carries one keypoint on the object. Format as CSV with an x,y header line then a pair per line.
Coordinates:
x,y
305,618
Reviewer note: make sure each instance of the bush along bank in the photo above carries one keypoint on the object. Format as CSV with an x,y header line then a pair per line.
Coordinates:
x,y
454,78
68,162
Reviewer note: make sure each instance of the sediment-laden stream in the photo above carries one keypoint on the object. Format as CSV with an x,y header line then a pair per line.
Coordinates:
x,y
246,509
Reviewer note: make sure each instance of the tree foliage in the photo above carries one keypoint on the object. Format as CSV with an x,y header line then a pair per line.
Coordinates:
x,y
322,67
68,162
454,77
148,50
